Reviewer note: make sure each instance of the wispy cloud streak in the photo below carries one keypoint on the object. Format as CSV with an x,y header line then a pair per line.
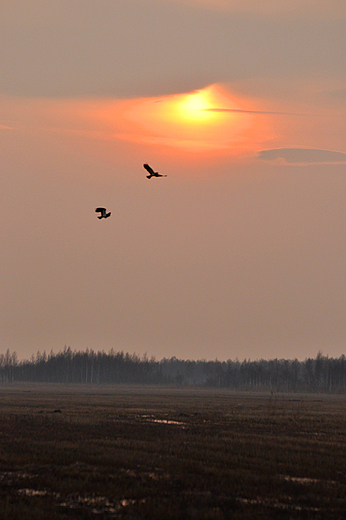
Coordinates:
x,y
264,112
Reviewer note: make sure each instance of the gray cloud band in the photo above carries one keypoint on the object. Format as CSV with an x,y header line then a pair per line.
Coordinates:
x,y
303,156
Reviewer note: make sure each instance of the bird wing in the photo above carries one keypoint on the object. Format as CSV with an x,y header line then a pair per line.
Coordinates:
x,y
149,169
100,210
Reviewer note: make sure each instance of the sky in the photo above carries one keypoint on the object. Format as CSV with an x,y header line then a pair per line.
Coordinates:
x,y
240,252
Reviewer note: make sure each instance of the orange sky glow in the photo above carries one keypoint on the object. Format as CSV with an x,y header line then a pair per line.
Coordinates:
x,y
187,122
213,123
201,121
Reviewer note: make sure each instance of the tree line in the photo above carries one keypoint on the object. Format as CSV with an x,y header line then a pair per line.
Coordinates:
x,y
320,374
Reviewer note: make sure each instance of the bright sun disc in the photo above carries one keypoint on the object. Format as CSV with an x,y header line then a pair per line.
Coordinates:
x,y
194,107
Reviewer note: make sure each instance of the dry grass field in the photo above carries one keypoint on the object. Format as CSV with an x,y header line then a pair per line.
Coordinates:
x,y
90,452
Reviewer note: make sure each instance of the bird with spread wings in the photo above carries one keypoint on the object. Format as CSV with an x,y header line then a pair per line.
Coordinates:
x,y
151,172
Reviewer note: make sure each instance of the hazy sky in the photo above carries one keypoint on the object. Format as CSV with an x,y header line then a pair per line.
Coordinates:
x,y
241,250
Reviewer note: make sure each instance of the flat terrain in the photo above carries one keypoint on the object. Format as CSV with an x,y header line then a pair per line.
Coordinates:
x,y
163,453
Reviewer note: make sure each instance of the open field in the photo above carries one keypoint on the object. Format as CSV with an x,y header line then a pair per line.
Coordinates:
x,y
166,453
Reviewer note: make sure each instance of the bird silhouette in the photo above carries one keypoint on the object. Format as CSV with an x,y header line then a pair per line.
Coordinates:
x,y
103,212
151,172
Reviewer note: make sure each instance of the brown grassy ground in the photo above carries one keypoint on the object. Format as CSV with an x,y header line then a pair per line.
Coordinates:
x,y
167,454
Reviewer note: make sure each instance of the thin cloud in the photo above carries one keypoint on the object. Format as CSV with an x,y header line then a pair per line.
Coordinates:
x,y
265,112
335,9
302,156
5,127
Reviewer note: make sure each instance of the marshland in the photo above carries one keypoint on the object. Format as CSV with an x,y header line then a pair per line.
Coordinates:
x,y
169,453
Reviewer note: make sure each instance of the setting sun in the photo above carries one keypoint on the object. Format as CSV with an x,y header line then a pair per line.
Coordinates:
x,y
204,120
183,120
187,121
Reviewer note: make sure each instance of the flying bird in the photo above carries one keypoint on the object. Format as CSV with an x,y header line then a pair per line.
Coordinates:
x,y
151,172
103,212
